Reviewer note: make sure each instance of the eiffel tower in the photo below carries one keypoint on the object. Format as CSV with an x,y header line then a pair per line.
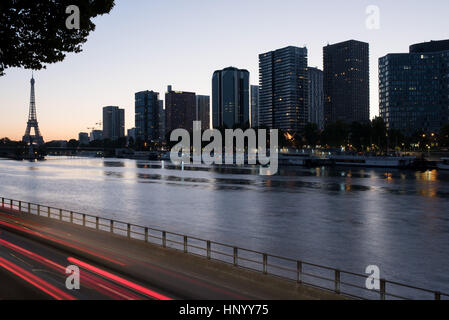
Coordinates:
x,y
32,121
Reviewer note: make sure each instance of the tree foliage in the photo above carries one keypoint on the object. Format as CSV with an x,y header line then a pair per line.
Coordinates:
x,y
34,33
335,134
444,135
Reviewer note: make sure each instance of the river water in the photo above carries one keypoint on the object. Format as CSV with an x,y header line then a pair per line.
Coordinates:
x,y
343,218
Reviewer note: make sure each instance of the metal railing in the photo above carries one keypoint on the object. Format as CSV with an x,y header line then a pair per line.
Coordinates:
x,y
341,282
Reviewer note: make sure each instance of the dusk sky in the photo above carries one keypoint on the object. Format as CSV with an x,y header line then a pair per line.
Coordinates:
x,y
147,45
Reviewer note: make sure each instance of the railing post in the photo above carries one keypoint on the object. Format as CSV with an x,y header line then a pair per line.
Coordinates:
x,y
3,202
236,256
337,281
38,210
10,204
208,251
49,212
185,244
265,263
111,228
299,272
382,289
20,206
146,234
129,230
164,239
60,214
97,223
71,216
29,208
84,220
437,295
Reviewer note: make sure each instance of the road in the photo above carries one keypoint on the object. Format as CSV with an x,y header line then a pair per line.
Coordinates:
x,y
35,252
38,271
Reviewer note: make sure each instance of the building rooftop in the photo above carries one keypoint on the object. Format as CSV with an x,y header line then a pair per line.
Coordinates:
x,y
432,46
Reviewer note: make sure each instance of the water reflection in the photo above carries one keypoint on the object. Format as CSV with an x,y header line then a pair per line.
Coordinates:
x,y
341,217
113,174
114,164
427,175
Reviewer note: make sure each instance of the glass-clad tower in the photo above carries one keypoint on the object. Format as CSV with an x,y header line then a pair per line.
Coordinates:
x,y
414,88
147,116
230,98
254,106
316,97
283,92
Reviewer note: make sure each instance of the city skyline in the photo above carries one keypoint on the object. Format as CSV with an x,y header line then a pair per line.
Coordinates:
x,y
236,150
62,91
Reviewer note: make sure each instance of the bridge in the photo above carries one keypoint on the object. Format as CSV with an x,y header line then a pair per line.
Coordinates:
x,y
9,152
14,152
119,260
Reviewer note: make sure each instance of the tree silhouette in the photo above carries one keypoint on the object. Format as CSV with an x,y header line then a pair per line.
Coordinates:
x,y
311,134
444,135
335,134
34,33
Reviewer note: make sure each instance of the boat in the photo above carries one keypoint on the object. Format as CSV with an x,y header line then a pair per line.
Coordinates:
x,y
443,164
90,154
165,156
296,159
372,161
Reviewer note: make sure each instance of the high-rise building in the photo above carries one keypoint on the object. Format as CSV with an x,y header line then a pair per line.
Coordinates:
x,y
113,123
254,106
346,82
414,88
83,138
131,134
161,121
180,107
96,135
230,98
316,97
147,116
283,89
203,111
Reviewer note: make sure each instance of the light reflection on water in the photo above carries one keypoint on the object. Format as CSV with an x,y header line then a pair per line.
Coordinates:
x,y
343,218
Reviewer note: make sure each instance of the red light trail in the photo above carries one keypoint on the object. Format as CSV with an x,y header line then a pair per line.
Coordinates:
x,y
119,280
35,281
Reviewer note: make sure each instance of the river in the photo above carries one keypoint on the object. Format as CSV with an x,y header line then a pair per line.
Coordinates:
x,y
342,218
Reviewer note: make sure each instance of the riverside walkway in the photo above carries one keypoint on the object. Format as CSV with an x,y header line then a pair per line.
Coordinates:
x,y
152,263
